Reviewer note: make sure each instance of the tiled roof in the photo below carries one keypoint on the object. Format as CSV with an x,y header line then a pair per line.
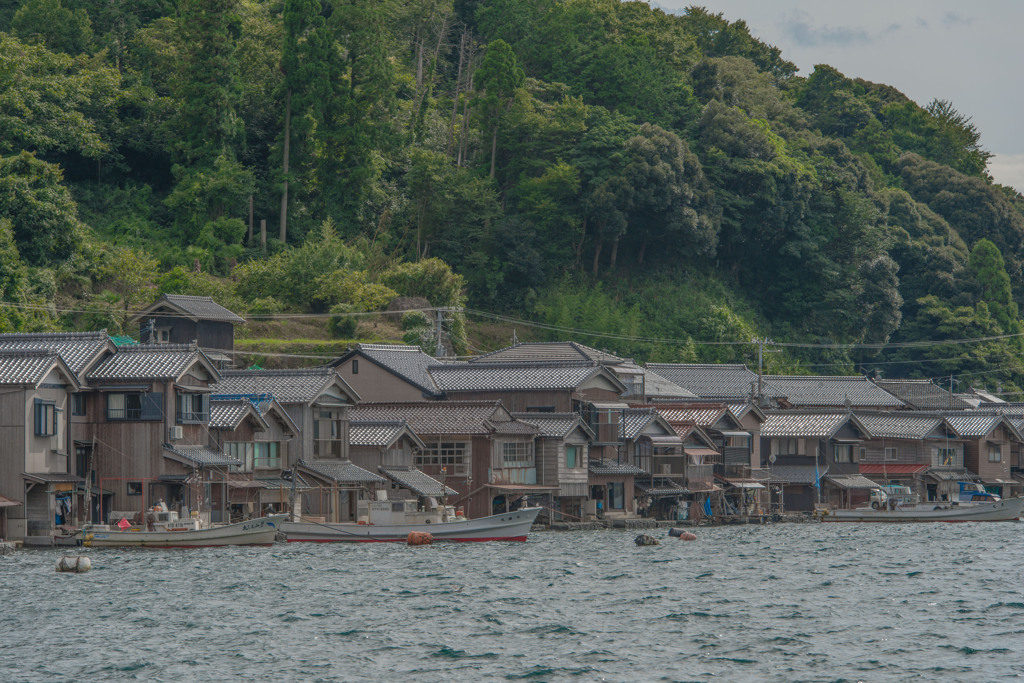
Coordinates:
x,y
433,417
791,423
884,469
513,427
26,367
272,483
701,415
77,349
950,474
634,421
831,391
150,361
555,424
922,394
287,386
714,381
342,471
972,425
417,482
659,487
229,414
899,426
202,456
613,467
368,433
532,352
198,307
793,474
408,362
658,387
456,377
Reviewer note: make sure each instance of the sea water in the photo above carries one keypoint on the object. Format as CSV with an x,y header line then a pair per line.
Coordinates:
x,y
788,602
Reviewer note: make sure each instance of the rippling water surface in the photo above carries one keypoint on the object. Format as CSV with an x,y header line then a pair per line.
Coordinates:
x,y
815,602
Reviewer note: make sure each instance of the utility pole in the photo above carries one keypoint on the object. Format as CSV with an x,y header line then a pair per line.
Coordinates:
x,y
760,362
439,351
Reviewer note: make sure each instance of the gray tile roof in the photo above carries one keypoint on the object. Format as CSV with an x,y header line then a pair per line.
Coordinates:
x,y
558,425
77,349
713,381
974,426
229,414
512,377
150,362
635,420
922,394
659,487
701,415
560,352
658,387
793,474
434,417
29,368
417,482
613,467
287,386
951,474
198,307
792,423
271,483
408,362
898,425
831,391
202,456
380,433
341,471
513,427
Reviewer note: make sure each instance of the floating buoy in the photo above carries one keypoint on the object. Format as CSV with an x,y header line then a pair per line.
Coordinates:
x,y
682,534
644,539
78,564
419,538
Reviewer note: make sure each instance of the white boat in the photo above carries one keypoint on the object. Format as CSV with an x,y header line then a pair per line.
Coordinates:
x,y
174,533
1005,510
395,520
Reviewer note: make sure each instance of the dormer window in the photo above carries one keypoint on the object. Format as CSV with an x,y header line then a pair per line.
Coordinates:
x,y
163,336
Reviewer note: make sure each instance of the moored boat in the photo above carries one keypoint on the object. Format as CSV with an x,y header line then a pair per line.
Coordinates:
x,y
184,534
394,522
1005,510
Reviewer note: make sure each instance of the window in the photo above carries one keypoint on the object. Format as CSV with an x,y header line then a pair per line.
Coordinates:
x,y
163,336
355,366
267,454
78,403
571,453
785,447
517,454
46,418
455,455
327,430
945,457
129,406
737,441
192,408
135,488
240,450
843,452
890,453
862,454
995,453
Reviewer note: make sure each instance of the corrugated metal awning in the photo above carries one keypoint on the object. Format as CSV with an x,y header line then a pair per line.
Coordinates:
x,y
734,434
700,451
665,440
746,484
6,502
851,481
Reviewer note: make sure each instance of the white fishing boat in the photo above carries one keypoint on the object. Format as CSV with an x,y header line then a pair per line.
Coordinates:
x,y
170,532
1005,510
395,520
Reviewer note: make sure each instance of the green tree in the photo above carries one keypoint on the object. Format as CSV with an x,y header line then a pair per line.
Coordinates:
x,y
497,79
50,23
989,271
130,274
44,217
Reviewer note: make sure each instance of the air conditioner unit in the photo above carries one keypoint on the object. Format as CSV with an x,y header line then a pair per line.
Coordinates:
x,y
177,433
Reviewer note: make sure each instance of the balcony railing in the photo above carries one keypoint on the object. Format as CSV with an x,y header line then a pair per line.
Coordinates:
x,y
191,416
124,413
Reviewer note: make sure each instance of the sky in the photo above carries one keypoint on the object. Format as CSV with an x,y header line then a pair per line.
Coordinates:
x,y
969,53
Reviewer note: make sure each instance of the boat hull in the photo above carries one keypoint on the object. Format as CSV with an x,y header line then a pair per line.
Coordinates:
x,y
1006,510
509,526
262,531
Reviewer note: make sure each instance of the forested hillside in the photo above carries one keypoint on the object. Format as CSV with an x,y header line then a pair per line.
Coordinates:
x,y
591,165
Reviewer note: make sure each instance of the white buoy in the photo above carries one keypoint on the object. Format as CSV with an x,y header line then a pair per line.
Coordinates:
x,y
78,564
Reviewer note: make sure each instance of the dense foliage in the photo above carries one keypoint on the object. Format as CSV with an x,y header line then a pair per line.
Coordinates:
x,y
589,164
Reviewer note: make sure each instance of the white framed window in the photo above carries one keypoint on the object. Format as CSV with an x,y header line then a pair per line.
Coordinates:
x,y
517,454
786,447
995,453
890,453
945,457
455,455
267,454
